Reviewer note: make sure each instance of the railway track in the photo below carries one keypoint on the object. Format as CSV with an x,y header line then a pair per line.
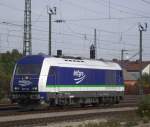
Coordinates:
x,y
15,115
44,118
9,110
5,107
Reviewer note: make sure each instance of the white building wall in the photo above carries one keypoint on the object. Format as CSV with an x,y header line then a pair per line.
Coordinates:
x,y
146,69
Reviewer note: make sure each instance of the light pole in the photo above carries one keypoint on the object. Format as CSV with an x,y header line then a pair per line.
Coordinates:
x,y
141,29
50,12
122,56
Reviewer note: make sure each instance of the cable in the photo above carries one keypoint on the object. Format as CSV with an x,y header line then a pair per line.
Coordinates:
x,y
133,56
82,7
14,8
11,24
11,7
102,30
88,39
38,17
98,19
122,11
132,26
145,1
35,38
81,34
105,18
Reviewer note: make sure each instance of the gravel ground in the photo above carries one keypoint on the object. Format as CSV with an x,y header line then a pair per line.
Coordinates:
x,y
76,124
64,114
144,125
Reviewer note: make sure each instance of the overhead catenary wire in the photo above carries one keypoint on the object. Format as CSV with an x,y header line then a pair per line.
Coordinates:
x,y
80,35
16,8
120,7
146,1
106,41
83,26
82,7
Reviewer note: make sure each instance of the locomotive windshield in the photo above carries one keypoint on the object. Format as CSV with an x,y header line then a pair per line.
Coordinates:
x,y
28,69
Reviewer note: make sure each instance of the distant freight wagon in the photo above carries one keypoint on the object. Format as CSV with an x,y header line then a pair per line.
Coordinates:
x,y
64,81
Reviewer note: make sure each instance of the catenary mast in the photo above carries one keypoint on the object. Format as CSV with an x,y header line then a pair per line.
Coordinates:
x,y
27,44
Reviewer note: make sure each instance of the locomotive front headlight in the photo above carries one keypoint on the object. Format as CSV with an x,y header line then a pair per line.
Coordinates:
x,y
16,88
35,88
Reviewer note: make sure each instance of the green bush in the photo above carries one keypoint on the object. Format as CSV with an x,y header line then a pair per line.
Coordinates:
x,y
144,106
131,124
101,124
91,124
113,124
80,125
145,119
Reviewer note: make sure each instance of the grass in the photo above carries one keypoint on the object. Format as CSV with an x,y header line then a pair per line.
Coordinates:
x,y
144,106
100,124
107,124
5,101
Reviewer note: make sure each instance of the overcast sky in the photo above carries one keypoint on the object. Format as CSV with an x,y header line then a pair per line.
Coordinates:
x,y
116,24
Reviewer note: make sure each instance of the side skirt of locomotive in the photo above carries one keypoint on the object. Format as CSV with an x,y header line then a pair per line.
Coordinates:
x,y
84,98
84,94
68,98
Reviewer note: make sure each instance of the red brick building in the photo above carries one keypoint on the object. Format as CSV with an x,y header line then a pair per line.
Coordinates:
x,y
131,75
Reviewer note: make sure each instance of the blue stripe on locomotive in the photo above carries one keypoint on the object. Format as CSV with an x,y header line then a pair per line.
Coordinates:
x,y
83,76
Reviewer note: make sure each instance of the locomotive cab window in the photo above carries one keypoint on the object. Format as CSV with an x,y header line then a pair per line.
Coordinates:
x,y
28,69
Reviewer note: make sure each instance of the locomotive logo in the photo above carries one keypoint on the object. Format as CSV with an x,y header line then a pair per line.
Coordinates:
x,y
24,83
79,76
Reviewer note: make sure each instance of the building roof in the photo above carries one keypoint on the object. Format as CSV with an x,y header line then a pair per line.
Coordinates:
x,y
133,66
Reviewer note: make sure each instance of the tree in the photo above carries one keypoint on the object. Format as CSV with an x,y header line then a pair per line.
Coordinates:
x,y
7,63
145,80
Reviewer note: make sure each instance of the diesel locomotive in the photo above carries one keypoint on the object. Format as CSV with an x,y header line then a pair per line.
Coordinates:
x,y
66,81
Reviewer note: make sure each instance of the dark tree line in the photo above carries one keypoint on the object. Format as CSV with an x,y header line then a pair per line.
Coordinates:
x,y
7,63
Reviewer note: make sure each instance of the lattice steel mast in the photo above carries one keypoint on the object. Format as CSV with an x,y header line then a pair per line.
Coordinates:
x,y
27,44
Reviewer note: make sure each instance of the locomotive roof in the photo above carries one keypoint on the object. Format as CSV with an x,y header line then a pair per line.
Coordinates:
x,y
69,62
84,63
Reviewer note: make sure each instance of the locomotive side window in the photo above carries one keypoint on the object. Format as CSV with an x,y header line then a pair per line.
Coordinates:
x,y
51,71
28,69
120,76
110,77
